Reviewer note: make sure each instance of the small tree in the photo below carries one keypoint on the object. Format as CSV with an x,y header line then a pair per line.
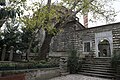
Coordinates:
x,y
115,59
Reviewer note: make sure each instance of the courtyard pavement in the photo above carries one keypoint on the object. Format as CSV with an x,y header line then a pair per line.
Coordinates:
x,y
77,77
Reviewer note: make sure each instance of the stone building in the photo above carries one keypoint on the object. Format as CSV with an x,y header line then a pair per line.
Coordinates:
x,y
102,40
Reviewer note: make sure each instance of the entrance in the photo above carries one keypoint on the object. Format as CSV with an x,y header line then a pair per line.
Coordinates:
x,y
104,48
103,44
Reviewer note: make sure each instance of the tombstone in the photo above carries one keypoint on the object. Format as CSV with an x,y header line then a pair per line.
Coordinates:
x,y
11,53
3,52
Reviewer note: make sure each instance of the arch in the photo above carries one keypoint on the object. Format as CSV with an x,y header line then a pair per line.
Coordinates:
x,y
104,48
103,36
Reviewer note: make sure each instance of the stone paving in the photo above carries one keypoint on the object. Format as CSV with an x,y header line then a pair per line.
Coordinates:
x,y
78,77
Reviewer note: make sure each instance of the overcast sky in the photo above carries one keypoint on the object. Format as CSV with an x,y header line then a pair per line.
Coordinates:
x,y
116,5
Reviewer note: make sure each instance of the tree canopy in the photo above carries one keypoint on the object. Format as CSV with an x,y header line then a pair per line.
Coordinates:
x,y
41,14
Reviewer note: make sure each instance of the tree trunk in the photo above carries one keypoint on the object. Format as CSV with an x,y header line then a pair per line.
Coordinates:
x,y
45,46
49,3
30,45
28,50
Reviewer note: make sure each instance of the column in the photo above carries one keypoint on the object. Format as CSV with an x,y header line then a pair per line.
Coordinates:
x,y
11,54
3,52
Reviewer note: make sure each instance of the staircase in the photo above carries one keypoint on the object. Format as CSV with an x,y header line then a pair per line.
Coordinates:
x,y
98,67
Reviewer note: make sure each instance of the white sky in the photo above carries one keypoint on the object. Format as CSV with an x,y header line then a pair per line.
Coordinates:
x,y
98,22
116,6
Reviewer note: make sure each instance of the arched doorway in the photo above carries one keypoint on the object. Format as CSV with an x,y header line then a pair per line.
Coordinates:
x,y
103,37
104,48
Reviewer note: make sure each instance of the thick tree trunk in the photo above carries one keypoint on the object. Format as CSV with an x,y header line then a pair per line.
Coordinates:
x,y
45,46
49,3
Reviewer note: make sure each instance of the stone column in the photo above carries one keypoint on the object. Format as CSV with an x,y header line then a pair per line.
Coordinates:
x,y
3,53
63,65
11,54
0,52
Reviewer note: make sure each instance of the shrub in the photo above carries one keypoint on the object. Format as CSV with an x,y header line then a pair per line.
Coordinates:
x,y
43,62
73,62
30,65
116,59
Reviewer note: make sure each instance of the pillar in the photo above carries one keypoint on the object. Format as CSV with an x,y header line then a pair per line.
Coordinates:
x,y
3,52
11,53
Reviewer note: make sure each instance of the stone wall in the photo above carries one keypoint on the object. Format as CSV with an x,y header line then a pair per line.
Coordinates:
x,y
65,40
33,74
43,74
89,35
73,38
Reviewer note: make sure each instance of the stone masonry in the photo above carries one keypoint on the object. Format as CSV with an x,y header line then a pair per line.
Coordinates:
x,y
74,35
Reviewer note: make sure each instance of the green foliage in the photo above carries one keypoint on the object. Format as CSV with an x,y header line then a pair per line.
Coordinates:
x,y
26,37
14,35
99,9
2,2
42,18
73,62
116,59
17,0
30,65
10,35
4,13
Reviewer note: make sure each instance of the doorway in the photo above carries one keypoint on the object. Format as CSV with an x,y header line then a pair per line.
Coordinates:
x,y
104,48
103,44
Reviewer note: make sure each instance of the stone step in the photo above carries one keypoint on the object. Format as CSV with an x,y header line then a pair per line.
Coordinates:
x,y
101,58
101,67
99,63
97,75
88,61
106,60
97,72
102,62
100,70
105,68
96,65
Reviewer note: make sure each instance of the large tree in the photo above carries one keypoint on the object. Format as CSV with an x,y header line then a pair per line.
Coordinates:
x,y
53,16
